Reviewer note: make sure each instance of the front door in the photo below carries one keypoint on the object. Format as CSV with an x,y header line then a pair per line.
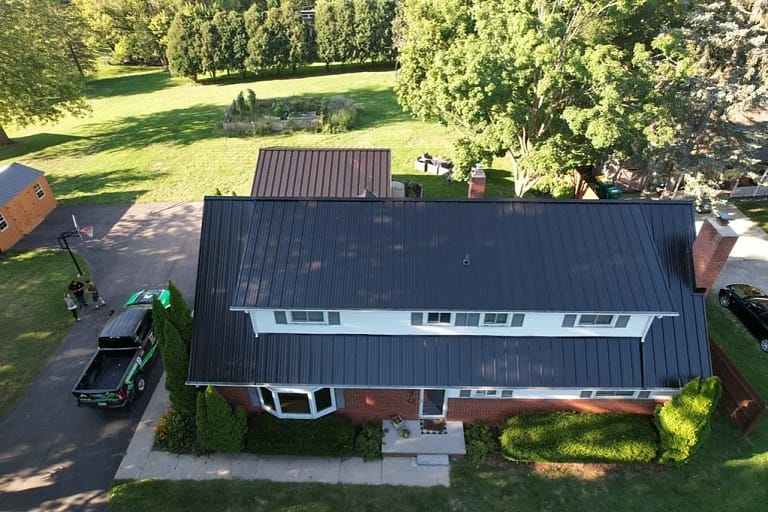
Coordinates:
x,y
433,402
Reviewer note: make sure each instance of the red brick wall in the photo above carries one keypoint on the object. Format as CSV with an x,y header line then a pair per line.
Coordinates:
x,y
710,251
363,405
238,396
497,410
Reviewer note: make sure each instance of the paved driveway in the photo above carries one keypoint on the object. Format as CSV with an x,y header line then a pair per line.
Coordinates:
x,y
54,455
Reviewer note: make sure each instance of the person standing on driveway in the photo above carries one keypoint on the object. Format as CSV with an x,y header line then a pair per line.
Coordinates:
x,y
90,287
77,288
71,306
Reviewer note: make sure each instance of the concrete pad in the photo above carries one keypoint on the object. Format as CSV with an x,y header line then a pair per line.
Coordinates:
x,y
132,465
317,469
245,466
355,470
404,471
159,465
214,468
279,469
187,468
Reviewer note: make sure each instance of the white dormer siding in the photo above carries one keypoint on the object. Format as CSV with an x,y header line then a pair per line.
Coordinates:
x,y
447,323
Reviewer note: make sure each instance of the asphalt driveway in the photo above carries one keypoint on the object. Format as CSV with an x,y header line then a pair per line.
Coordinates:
x,y
54,455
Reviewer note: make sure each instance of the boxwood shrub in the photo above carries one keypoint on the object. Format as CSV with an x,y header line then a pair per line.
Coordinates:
x,y
578,437
329,436
684,421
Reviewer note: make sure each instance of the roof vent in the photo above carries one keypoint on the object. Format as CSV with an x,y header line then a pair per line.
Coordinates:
x,y
465,261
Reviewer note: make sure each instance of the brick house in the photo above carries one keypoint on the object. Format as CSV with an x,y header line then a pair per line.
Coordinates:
x,y
468,310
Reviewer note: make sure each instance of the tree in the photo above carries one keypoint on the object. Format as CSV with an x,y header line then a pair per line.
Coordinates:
x,y
208,43
40,80
268,46
220,428
365,29
297,33
326,31
159,318
233,46
540,82
180,315
183,54
176,361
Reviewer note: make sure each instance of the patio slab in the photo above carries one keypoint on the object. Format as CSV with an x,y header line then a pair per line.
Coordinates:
x,y
450,443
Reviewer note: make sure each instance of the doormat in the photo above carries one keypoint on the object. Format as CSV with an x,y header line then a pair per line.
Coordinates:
x,y
433,427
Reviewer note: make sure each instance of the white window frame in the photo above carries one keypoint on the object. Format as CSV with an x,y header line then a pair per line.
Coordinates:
x,y
486,323
3,223
580,320
39,191
467,313
495,393
439,314
310,392
291,320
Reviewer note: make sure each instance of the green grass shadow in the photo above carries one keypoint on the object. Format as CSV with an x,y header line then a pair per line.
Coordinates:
x,y
32,143
129,85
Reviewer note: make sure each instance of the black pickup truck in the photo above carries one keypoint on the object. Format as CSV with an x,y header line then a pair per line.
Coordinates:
x,y
114,376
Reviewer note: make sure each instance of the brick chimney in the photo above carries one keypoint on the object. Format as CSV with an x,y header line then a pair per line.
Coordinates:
x,y
711,249
477,182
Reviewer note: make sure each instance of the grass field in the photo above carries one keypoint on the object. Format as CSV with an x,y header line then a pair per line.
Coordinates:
x,y
152,137
755,210
729,473
33,319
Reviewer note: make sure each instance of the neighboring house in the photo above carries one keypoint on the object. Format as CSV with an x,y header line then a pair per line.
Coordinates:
x,y
468,310
25,200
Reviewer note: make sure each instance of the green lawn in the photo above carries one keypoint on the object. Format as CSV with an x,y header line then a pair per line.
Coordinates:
x,y
33,319
152,137
755,210
728,473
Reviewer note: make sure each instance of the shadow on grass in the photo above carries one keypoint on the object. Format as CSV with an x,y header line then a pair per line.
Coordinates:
x,y
129,85
99,187
301,72
32,143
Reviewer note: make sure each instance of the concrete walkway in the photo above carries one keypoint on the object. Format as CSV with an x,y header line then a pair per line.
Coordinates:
x,y
141,462
748,261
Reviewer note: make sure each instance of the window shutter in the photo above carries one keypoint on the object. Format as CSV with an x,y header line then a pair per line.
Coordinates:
x,y
417,319
517,320
334,318
569,320
622,321
280,317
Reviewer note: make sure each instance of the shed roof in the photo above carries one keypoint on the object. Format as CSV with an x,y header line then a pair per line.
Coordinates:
x,y
448,255
224,349
322,172
14,178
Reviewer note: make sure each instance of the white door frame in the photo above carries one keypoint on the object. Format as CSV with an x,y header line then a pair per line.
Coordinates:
x,y
421,404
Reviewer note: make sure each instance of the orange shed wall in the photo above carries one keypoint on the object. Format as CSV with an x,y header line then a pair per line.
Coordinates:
x,y
24,212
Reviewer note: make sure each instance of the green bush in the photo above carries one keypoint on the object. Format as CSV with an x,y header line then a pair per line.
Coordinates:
x,y
340,114
368,441
578,437
221,429
684,421
480,440
177,434
329,436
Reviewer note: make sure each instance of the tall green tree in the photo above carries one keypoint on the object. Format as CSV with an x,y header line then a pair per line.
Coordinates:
x,y
297,33
540,82
220,427
179,314
326,31
40,80
365,29
176,362
233,45
208,44
183,52
268,46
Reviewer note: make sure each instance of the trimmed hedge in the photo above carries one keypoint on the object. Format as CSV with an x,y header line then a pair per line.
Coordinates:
x,y
329,436
481,440
368,441
177,433
578,437
220,427
684,421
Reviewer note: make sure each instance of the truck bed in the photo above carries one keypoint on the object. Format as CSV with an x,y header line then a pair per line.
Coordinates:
x,y
106,371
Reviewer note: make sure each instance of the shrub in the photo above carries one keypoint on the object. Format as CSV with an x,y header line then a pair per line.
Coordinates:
x,y
220,428
578,437
176,433
368,441
329,436
340,114
480,440
684,421
176,363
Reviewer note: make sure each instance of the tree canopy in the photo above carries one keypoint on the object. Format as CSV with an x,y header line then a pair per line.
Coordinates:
x,y
549,84
39,76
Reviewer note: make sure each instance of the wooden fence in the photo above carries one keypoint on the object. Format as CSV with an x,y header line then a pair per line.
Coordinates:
x,y
744,404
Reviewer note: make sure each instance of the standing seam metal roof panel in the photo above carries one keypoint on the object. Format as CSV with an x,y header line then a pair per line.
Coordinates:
x,y
322,172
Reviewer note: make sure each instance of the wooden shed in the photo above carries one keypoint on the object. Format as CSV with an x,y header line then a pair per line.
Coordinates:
x,y
25,200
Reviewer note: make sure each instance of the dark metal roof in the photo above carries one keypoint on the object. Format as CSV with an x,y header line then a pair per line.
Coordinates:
x,y
322,172
14,178
124,322
225,350
442,361
404,254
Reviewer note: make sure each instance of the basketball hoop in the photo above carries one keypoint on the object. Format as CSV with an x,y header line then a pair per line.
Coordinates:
x,y
87,231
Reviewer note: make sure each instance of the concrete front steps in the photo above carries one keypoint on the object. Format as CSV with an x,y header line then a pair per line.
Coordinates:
x,y
429,447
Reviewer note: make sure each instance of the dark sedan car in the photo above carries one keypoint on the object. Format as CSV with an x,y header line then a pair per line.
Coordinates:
x,y
750,304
